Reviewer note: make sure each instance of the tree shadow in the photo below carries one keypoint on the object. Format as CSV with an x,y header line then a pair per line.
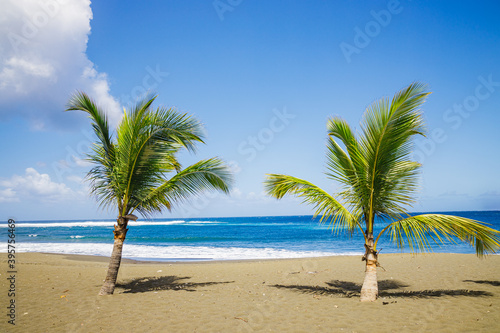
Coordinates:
x,y
435,293
387,288
317,290
147,284
490,282
356,287
342,288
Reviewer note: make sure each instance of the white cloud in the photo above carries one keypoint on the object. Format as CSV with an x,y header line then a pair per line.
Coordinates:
x,y
34,185
43,61
261,196
8,195
81,162
234,167
75,179
15,66
236,193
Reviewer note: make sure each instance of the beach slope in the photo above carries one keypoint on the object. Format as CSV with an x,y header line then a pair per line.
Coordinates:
x,y
432,292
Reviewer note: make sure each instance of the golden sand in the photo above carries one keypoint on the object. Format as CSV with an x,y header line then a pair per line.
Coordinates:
x,y
422,293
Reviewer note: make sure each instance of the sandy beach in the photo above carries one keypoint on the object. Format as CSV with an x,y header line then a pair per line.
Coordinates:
x,y
424,293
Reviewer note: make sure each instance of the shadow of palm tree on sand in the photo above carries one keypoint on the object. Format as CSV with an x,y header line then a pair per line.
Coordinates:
x,y
147,284
490,282
387,288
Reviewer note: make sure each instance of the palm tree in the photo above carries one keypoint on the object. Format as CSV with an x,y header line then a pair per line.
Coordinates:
x,y
379,179
138,169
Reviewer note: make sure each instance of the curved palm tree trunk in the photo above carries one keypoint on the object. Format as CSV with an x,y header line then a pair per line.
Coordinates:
x,y
116,257
369,291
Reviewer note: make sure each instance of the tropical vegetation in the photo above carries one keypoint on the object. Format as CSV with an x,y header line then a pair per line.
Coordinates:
x,y
378,182
137,170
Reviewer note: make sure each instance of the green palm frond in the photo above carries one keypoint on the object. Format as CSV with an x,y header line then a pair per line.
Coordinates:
x,y
102,177
103,183
211,174
148,139
344,167
133,171
331,210
388,128
82,102
347,167
419,230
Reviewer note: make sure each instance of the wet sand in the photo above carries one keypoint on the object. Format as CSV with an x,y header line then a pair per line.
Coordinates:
x,y
423,293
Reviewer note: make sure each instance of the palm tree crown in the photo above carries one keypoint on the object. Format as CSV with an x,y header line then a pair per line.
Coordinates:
x,y
135,170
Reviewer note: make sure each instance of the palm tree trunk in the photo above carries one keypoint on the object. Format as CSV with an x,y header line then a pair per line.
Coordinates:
x,y
369,290
116,257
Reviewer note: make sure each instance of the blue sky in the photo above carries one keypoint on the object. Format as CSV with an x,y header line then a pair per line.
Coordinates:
x,y
262,76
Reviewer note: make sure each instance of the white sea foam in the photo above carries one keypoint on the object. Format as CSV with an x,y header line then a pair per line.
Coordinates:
x,y
77,236
90,224
204,222
137,223
172,252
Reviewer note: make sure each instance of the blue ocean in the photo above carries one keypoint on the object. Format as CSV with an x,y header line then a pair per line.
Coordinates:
x,y
202,239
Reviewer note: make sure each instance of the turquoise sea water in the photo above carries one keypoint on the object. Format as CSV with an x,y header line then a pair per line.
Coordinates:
x,y
211,238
